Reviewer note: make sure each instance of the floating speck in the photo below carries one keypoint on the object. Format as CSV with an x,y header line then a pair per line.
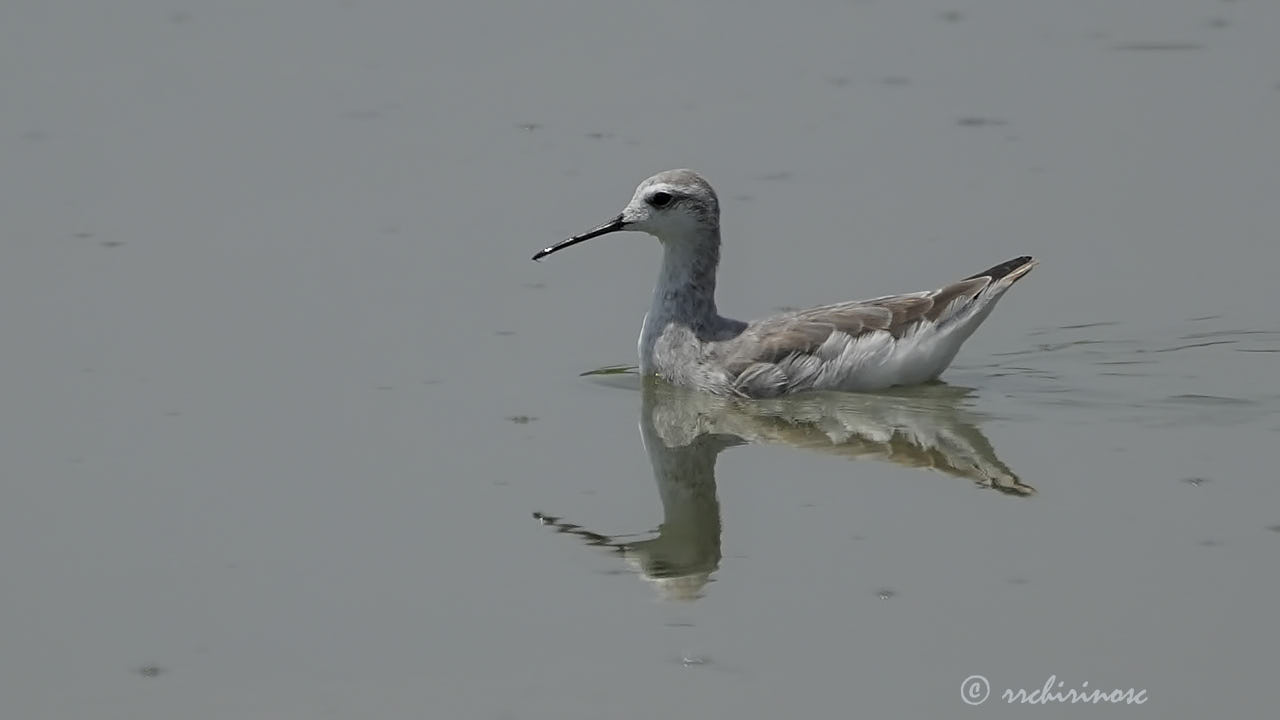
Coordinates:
x,y
1274,528
504,333
896,81
1018,580
150,671
952,16
521,419
980,122
82,235
599,135
776,176
111,243
1195,481
690,660
1210,542
529,126
840,81
886,593
1218,22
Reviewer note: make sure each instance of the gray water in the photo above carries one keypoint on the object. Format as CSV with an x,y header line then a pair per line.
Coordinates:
x,y
282,391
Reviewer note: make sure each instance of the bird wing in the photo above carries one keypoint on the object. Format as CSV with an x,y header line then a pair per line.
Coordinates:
x,y
754,354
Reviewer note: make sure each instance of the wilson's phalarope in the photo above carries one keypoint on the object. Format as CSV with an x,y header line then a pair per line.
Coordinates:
x,y
860,346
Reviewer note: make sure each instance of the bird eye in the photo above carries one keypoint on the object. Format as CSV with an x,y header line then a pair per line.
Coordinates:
x,y
660,199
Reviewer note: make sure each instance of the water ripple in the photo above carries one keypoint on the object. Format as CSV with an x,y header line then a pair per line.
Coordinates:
x,y
1143,374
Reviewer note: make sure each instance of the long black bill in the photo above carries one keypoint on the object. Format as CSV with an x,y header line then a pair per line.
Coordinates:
x,y
613,225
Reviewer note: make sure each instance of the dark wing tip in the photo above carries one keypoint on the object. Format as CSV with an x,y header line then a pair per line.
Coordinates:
x,y
1003,268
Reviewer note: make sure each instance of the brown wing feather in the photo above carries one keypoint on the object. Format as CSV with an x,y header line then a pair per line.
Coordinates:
x,y
892,313
950,297
773,339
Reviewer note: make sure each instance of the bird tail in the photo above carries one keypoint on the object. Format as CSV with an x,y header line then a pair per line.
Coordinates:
x,y
1007,272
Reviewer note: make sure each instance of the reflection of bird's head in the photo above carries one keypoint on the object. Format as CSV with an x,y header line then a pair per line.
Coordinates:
x,y
678,561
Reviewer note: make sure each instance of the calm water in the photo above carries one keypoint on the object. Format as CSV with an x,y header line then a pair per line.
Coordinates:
x,y
293,428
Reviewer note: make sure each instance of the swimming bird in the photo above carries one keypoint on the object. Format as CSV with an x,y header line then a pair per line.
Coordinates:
x,y
863,345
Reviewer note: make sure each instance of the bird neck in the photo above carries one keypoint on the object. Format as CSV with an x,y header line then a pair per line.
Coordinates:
x,y
686,290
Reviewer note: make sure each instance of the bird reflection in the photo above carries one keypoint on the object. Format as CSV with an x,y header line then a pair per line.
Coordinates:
x,y
684,431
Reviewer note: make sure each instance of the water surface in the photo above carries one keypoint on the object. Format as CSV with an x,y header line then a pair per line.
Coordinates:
x,y
283,392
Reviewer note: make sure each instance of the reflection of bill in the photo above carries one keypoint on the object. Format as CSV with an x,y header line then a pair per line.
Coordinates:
x,y
684,431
